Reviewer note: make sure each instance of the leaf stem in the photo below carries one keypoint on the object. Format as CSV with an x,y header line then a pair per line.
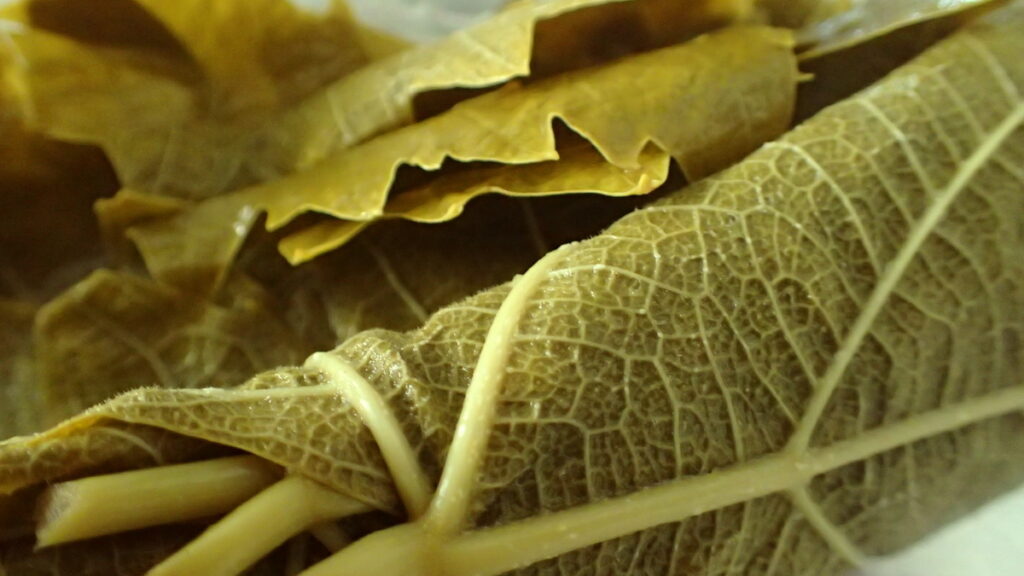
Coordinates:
x,y
113,503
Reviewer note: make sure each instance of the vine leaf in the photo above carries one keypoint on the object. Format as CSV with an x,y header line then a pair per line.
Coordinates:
x,y
115,331
525,40
834,26
254,90
217,80
703,86
804,361
579,169
21,406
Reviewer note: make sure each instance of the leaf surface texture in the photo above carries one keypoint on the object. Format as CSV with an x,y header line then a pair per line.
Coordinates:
x,y
842,311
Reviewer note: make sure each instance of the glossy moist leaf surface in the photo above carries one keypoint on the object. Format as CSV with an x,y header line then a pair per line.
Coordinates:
x,y
20,409
697,108
836,25
813,357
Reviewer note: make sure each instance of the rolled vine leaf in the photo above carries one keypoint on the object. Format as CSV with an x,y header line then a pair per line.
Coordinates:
x,y
808,360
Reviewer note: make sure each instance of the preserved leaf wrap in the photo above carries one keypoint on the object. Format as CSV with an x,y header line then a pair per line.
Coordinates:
x,y
807,360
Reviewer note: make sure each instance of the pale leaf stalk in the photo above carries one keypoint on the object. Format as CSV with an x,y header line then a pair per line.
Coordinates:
x,y
450,506
252,530
113,503
410,479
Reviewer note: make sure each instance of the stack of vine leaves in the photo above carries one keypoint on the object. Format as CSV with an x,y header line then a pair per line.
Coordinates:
x,y
652,287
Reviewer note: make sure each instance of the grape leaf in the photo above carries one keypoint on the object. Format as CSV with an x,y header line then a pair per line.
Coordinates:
x,y
853,46
838,25
173,123
806,360
579,169
704,86
241,121
527,39
115,331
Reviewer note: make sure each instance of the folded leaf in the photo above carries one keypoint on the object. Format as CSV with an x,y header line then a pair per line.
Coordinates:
x,y
839,24
534,39
115,331
696,107
165,130
398,273
859,44
235,125
814,355
579,169
808,359
20,405
690,95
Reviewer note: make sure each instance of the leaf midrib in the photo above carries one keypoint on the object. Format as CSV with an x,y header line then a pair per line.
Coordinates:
x,y
489,552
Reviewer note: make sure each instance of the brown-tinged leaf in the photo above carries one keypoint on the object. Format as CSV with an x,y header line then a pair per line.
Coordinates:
x,y
166,129
20,402
234,128
579,169
398,273
836,25
813,356
698,106
117,76
853,48
42,180
527,39
115,331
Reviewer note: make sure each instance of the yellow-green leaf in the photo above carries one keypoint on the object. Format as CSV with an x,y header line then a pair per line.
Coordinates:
x,y
527,39
114,331
579,169
764,356
178,127
697,106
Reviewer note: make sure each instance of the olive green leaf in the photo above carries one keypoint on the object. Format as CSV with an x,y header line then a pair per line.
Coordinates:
x,y
184,122
20,404
698,107
525,40
804,361
115,331
836,25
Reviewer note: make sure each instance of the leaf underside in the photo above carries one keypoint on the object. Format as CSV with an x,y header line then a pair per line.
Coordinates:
x,y
808,360
833,327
